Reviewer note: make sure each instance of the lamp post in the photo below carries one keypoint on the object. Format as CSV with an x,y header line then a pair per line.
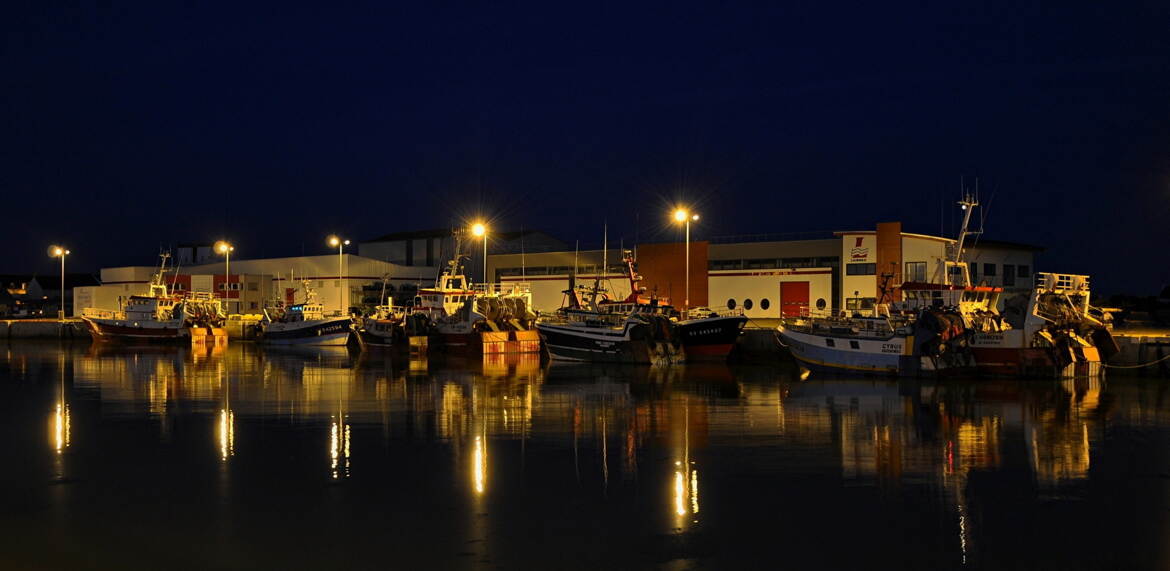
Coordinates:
x,y
60,252
340,244
224,247
681,215
479,230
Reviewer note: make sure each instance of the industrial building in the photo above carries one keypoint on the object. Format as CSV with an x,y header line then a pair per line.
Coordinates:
x,y
253,283
774,278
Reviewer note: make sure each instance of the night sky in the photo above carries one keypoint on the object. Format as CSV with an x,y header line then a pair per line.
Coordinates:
x,y
128,127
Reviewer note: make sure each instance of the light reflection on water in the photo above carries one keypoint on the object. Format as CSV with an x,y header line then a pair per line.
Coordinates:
x,y
629,455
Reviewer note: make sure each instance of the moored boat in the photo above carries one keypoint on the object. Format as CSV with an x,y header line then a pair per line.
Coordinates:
x,y
304,324
160,315
462,316
592,327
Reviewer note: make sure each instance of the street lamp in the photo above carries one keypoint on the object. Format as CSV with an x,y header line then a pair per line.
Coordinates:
x,y
60,252
225,248
480,231
681,215
340,244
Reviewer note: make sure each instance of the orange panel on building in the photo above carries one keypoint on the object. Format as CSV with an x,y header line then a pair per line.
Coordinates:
x,y
889,257
663,269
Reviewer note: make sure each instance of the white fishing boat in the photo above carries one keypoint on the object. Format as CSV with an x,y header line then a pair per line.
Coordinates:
x,y
304,323
160,315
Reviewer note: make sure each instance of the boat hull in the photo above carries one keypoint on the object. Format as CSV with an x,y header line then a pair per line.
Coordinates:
x,y
874,357
324,332
710,338
120,330
604,345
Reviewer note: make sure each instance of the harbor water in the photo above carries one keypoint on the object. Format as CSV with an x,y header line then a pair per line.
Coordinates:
x,y
245,457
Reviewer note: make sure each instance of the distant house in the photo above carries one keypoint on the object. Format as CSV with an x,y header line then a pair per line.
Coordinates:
x,y
30,295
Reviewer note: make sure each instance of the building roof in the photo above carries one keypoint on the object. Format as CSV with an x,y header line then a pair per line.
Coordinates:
x,y
411,234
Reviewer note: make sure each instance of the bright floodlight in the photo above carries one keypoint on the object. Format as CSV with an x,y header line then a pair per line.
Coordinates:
x,y
334,241
695,218
680,215
58,251
223,247
478,229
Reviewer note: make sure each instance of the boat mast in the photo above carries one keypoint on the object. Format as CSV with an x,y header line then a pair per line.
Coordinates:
x,y
968,204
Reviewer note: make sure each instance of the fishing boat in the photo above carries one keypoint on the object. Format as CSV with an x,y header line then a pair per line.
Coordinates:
x,y
304,323
928,332
462,316
1058,334
957,328
385,326
592,327
160,315
710,334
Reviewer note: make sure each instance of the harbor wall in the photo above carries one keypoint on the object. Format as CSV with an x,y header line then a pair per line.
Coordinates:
x,y
43,329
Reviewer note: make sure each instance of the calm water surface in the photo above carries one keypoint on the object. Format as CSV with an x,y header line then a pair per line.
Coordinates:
x,y
252,458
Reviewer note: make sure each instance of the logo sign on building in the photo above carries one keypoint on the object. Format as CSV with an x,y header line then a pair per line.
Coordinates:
x,y
859,252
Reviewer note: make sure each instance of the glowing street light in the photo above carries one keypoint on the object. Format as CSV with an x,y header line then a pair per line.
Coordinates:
x,y
479,230
60,252
225,248
681,215
340,244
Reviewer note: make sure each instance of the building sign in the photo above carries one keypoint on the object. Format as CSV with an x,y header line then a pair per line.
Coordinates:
x,y
859,252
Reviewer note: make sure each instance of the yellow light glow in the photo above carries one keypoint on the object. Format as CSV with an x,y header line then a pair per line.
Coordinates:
x,y
58,251
227,434
478,229
694,491
695,217
334,241
480,466
680,505
223,247
339,449
680,215
61,427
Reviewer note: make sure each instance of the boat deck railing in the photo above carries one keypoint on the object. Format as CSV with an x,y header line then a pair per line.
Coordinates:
x,y
102,313
724,311
510,288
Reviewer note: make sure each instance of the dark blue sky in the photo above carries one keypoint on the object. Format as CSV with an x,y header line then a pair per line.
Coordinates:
x,y
129,127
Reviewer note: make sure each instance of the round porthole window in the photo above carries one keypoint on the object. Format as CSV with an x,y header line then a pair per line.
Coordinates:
x,y
747,304
821,303
731,304
765,304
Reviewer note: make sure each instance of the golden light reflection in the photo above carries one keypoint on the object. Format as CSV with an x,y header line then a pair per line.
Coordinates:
x,y
339,448
479,466
679,493
227,434
61,427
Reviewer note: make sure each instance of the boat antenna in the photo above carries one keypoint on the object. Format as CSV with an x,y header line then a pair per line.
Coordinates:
x,y
576,250
522,273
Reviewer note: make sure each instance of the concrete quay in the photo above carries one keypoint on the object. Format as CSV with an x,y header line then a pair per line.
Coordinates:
x,y
43,329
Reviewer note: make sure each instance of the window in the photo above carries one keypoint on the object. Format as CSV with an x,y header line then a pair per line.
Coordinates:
x,y
731,304
821,303
1023,271
747,303
989,270
254,305
854,345
915,272
860,269
860,303
764,263
725,264
830,343
974,269
1009,275
764,303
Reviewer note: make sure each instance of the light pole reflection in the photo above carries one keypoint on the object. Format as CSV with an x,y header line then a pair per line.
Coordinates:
x,y
339,447
227,434
479,466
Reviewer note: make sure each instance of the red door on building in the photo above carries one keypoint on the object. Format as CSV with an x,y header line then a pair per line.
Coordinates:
x,y
793,298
